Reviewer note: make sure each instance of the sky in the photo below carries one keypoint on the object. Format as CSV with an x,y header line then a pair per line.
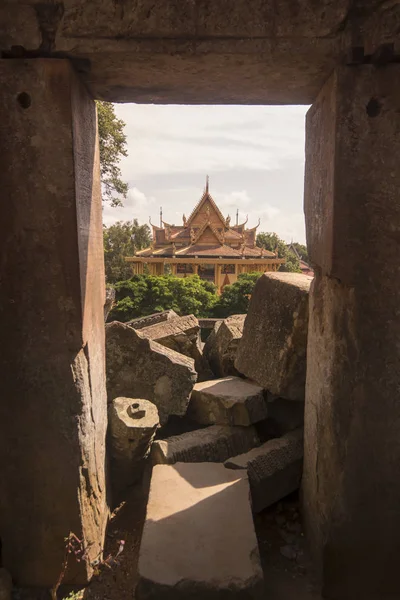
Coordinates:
x,y
253,155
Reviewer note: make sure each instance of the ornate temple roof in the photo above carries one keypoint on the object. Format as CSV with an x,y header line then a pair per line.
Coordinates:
x,y
205,233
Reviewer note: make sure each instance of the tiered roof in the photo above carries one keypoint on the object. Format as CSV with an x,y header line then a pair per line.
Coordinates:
x,y
205,233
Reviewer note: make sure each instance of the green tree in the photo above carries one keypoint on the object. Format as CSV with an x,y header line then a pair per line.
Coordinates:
x,y
301,250
112,141
235,298
120,240
272,242
146,294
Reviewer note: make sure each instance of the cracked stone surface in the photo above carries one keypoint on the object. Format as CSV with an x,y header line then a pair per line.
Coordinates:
x,y
199,541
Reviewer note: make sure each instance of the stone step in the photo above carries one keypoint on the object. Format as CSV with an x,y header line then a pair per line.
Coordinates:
x,y
274,469
198,540
212,444
227,401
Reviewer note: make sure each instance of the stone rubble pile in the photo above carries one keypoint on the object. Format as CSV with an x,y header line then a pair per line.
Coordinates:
x,y
240,406
137,367
181,334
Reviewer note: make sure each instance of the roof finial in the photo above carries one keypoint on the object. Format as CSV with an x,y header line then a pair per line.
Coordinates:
x,y
160,216
207,183
237,216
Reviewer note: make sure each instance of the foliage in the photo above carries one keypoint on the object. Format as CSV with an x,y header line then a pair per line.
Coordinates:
x,y
146,294
235,298
118,243
301,251
271,241
112,141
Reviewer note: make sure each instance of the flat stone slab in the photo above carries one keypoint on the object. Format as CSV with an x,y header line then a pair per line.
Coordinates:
x,y
274,469
227,401
133,423
212,444
153,319
198,540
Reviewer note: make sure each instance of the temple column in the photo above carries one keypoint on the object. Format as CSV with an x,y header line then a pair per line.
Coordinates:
x,y
351,484
53,412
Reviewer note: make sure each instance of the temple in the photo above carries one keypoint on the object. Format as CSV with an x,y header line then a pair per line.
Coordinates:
x,y
206,244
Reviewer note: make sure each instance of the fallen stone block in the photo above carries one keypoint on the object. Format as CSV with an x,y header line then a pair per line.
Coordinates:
x,y
181,334
212,444
198,540
133,424
227,401
273,348
140,368
222,344
274,469
153,319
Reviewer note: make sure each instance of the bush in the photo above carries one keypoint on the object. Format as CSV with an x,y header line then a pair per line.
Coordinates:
x,y
235,298
146,294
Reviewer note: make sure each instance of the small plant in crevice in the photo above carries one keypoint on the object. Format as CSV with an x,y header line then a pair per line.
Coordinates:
x,y
75,548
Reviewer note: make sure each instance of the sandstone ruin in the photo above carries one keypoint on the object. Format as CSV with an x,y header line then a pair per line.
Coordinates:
x,y
273,348
140,368
340,56
227,401
133,423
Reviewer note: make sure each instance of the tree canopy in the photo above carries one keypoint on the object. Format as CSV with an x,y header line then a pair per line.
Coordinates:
x,y
112,142
271,241
235,298
146,294
301,250
118,243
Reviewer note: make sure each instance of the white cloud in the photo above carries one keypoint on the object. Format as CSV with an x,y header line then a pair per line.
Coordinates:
x,y
136,206
254,156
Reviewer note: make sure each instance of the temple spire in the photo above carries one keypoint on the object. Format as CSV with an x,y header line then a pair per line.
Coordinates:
x,y
207,183
160,216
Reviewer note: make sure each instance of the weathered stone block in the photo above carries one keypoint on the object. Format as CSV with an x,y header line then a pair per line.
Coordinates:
x,y
53,416
227,401
153,319
222,344
181,334
133,424
198,539
212,444
273,348
140,368
274,469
